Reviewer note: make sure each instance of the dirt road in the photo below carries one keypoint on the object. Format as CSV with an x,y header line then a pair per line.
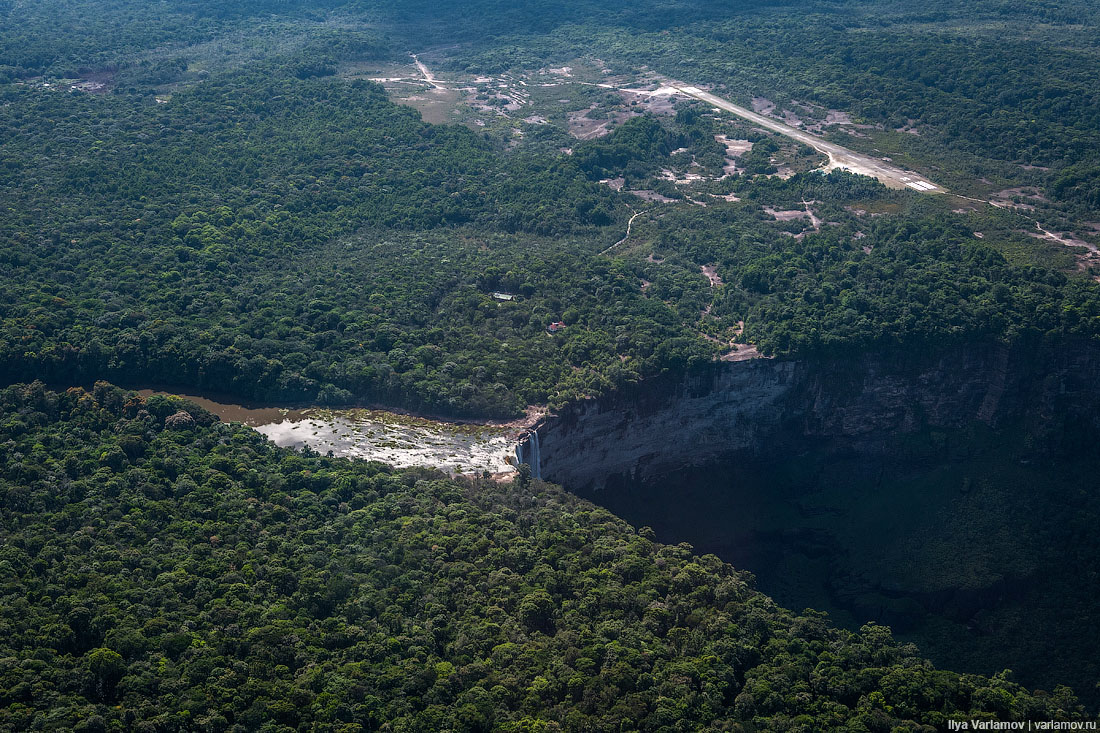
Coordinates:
x,y
425,71
839,157
629,224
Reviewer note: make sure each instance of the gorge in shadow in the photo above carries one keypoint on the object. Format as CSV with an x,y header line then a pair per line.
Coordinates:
x,y
950,495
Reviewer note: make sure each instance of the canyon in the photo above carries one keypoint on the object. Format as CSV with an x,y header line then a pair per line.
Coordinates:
x,y
948,493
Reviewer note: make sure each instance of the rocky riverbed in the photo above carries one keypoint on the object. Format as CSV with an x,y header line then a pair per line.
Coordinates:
x,y
376,435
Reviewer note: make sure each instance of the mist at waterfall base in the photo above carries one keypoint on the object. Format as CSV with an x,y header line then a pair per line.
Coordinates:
x,y
986,563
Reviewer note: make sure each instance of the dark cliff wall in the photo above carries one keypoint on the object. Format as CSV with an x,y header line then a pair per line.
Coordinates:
x,y
1049,395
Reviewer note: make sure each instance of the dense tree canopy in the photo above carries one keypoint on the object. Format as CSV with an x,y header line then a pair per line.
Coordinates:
x,y
233,214
306,239
209,195
163,571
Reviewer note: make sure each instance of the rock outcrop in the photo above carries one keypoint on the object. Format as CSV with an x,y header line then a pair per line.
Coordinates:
x,y
769,406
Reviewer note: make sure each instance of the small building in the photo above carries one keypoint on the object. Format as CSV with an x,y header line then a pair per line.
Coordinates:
x,y
556,326
502,296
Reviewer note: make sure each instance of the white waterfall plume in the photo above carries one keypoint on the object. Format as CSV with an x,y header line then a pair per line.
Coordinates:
x,y
536,455
534,460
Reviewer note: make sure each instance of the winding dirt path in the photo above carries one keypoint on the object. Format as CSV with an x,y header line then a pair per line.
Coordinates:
x,y
629,224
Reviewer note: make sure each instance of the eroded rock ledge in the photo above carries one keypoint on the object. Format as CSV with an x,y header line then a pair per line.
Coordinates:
x,y
767,406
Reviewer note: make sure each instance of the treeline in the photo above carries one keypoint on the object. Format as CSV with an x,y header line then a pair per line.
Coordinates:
x,y
165,572
68,38
405,319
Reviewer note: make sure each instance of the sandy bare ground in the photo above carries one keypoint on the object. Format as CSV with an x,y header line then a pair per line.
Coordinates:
x,y
744,352
1085,259
786,215
763,105
1011,197
711,271
688,178
583,127
647,195
804,213
734,148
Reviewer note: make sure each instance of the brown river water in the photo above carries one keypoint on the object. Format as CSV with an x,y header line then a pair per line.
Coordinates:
x,y
401,441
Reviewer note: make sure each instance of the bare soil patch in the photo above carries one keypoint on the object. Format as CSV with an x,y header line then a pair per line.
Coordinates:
x,y
681,180
762,105
583,127
787,215
1018,197
653,104
1065,239
792,119
436,105
94,82
652,196
743,352
734,148
711,272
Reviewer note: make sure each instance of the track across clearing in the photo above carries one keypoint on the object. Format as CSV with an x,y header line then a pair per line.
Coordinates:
x,y
839,156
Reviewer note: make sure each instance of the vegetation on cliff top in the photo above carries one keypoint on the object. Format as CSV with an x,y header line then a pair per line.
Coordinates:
x,y
305,239
229,212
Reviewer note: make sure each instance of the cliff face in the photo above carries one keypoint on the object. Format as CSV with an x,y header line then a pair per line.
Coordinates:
x,y
769,406
949,494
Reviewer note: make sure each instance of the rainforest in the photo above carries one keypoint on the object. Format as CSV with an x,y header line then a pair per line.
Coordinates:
x,y
783,304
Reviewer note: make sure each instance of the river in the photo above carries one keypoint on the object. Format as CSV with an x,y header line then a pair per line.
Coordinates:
x,y
401,441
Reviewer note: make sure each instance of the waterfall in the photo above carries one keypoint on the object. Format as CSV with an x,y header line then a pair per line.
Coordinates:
x,y
534,459
536,455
